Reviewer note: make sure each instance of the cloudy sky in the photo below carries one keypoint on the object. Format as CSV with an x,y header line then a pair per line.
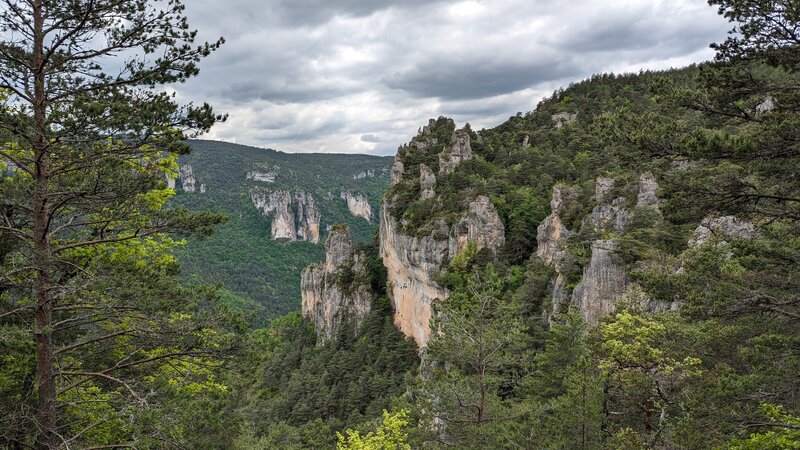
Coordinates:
x,y
360,76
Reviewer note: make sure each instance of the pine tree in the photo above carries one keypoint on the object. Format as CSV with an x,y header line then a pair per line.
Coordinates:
x,y
90,136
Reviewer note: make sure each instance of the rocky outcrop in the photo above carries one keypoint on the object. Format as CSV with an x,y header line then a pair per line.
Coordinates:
x,y
358,204
263,177
397,170
294,216
188,180
551,237
608,216
412,262
337,291
459,151
766,106
563,118
648,188
369,173
725,227
552,231
427,182
480,225
604,281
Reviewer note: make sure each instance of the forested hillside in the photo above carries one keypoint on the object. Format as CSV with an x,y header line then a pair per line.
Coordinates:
x,y
258,273
617,268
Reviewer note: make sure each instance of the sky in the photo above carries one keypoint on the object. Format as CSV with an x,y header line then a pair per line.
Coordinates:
x,y
361,76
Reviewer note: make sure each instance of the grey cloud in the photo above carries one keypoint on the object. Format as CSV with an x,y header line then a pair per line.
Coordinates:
x,y
279,91
474,79
313,12
362,75
627,34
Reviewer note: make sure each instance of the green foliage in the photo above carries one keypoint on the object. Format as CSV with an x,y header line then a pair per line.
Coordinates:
x,y
242,250
390,435
784,432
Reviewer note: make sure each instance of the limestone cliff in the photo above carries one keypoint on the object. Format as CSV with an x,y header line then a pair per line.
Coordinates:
x,y
552,231
338,290
397,170
412,262
725,227
188,180
604,279
563,118
294,216
458,152
427,182
413,259
358,204
262,176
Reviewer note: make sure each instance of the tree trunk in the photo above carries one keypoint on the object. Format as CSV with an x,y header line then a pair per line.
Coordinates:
x,y
46,416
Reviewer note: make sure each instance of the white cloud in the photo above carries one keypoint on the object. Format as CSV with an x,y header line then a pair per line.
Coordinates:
x,y
321,75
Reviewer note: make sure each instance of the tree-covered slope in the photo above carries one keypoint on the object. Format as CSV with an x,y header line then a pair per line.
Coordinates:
x,y
258,272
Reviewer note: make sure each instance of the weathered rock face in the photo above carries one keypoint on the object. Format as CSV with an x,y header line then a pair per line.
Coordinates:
x,y
608,216
481,225
397,170
550,238
648,188
338,290
460,151
604,281
358,205
552,231
412,262
364,174
725,227
766,106
294,217
563,118
188,181
264,177
427,182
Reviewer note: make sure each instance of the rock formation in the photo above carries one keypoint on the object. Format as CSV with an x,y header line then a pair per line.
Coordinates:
x,y
608,216
358,204
188,181
552,230
413,262
766,106
264,177
725,227
648,188
397,170
369,173
427,182
294,217
563,118
337,290
459,151
604,281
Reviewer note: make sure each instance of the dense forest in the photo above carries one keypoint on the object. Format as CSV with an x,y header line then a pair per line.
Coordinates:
x,y
258,274
125,321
